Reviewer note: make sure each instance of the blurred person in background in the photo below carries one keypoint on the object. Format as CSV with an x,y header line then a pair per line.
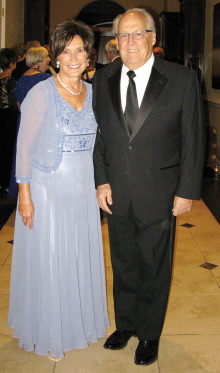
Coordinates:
x,y
21,50
8,115
52,66
92,66
159,52
111,50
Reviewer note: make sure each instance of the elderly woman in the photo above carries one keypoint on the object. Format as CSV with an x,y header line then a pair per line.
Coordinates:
x,y
21,66
37,59
8,115
58,297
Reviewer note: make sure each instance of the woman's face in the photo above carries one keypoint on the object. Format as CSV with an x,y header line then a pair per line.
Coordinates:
x,y
73,59
44,64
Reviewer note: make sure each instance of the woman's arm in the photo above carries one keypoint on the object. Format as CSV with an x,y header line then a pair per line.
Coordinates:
x,y
33,111
33,114
26,206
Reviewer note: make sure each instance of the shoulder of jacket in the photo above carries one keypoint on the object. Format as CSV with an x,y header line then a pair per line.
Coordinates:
x,y
109,68
174,71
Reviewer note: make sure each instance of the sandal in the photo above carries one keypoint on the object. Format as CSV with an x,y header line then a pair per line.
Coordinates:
x,y
54,358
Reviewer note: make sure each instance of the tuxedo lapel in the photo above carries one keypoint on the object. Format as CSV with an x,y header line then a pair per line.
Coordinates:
x,y
155,85
114,88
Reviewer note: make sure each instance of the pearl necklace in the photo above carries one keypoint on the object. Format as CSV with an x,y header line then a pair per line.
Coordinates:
x,y
69,90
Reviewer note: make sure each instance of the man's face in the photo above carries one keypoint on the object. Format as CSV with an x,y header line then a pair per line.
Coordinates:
x,y
94,56
135,53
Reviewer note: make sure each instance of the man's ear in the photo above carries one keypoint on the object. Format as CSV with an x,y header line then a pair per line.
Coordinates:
x,y
117,43
153,38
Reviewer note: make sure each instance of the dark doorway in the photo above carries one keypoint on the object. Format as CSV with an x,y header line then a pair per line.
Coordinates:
x,y
36,20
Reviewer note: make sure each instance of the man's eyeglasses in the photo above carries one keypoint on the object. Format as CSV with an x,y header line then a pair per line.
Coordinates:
x,y
139,34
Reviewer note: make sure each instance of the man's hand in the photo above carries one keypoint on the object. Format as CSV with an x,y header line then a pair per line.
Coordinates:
x,y
181,205
104,196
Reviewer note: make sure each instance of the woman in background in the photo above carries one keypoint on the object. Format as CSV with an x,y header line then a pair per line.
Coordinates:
x,y
58,296
8,115
37,60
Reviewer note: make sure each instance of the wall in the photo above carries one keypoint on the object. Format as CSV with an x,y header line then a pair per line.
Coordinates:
x,y
60,10
14,30
172,6
211,96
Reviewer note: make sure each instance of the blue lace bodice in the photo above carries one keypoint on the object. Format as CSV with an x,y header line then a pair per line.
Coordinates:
x,y
79,127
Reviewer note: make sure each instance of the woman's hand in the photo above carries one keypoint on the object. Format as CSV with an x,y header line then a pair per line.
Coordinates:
x,y
26,206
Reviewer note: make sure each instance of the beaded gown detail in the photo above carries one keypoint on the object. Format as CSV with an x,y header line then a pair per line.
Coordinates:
x,y
58,295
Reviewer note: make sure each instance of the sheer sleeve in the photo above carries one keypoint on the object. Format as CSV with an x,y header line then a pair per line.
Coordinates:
x,y
33,113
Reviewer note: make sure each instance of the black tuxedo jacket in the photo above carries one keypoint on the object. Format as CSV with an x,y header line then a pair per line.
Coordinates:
x,y
164,155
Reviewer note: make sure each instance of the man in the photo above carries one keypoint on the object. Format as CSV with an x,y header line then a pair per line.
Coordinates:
x,y
94,58
111,50
148,162
159,51
92,66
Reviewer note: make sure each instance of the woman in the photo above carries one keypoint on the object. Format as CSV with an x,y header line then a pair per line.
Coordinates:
x,y
58,299
37,60
8,115
21,66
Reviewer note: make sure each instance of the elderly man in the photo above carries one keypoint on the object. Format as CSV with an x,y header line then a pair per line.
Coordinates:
x,y
111,50
148,168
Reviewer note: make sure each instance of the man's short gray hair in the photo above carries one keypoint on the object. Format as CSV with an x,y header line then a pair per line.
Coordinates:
x,y
148,16
111,47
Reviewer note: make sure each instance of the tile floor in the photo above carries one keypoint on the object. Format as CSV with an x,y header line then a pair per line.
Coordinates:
x,y
190,342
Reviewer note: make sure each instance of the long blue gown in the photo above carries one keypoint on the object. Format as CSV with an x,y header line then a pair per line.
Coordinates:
x,y
58,295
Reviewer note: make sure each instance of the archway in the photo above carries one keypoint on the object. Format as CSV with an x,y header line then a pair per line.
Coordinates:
x,y
99,12
99,15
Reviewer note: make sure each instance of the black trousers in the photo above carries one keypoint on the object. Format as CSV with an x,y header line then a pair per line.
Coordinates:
x,y
142,257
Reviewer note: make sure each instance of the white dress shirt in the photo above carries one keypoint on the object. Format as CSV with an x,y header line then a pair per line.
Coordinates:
x,y
141,80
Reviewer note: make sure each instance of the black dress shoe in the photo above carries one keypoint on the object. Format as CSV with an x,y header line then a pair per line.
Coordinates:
x,y
118,340
146,352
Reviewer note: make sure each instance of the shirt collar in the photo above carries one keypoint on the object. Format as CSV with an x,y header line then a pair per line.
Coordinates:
x,y
141,70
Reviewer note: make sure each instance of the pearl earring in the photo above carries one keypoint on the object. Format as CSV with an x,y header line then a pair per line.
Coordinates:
x,y
87,63
57,64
